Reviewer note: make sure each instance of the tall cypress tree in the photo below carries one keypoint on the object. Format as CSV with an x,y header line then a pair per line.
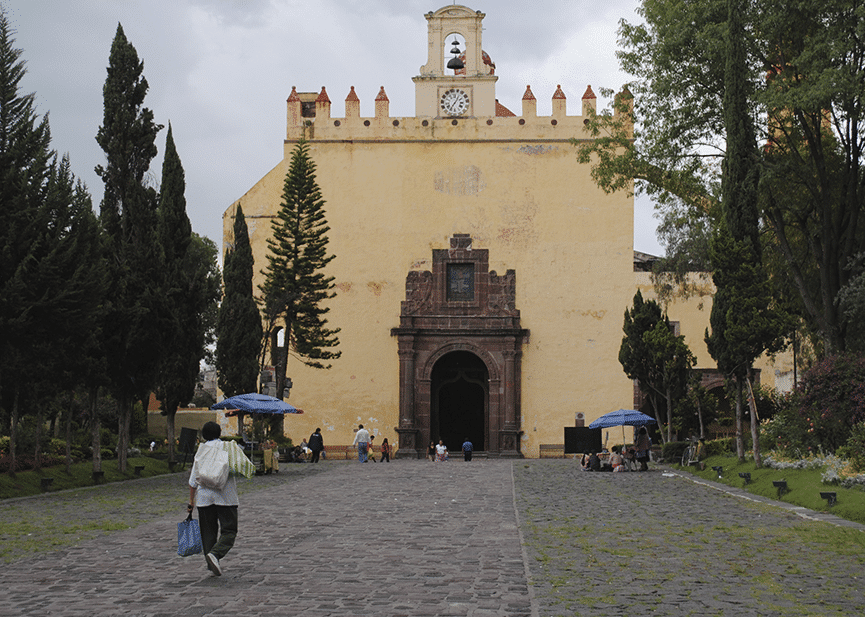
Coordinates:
x,y
239,330
742,321
295,286
190,288
128,213
50,285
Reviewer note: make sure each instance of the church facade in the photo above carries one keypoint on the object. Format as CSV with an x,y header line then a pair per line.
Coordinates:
x,y
481,276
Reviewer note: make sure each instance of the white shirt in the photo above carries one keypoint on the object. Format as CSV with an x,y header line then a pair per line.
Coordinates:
x,y
362,436
210,496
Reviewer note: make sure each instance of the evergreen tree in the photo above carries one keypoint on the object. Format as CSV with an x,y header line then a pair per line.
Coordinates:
x,y
634,354
137,311
295,287
656,358
239,330
50,283
190,288
743,322
671,362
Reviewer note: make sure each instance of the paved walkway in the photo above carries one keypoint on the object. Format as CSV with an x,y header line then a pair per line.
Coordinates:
x,y
415,538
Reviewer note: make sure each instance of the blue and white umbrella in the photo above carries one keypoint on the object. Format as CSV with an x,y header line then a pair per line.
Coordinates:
x,y
256,403
622,417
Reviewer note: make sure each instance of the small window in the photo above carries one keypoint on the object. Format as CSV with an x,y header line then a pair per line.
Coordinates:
x,y
461,283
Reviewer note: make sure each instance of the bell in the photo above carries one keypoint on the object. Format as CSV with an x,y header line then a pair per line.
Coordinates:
x,y
455,63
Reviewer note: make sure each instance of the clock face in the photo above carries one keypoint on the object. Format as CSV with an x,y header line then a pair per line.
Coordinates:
x,y
454,102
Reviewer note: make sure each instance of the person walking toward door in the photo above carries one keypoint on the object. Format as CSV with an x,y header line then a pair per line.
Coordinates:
x,y
467,450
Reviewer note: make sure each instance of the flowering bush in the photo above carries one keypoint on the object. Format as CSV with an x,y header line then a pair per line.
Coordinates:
x,y
839,471
835,469
776,460
27,462
832,399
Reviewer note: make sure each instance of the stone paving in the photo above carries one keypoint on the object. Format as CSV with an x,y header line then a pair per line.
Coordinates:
x,y
414,538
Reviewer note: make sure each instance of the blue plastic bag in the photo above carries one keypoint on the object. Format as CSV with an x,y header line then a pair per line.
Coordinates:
x,y
188,537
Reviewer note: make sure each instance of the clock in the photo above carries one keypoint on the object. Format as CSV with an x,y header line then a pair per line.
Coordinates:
x,y
454,102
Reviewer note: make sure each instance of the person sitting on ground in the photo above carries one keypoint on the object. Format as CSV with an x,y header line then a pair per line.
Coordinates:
x,y
616,460
584,462
298,455
631,459
594,462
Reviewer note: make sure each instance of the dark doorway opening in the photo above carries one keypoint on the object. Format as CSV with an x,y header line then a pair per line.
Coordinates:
x,y
460,389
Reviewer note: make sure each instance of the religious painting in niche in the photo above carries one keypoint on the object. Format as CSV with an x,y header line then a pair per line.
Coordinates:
x,y
461,282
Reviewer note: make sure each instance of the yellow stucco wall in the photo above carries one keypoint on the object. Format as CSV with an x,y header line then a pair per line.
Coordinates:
x,y
405,190
397,188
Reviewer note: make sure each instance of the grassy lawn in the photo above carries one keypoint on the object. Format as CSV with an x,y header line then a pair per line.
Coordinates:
x,y
803,486
26,483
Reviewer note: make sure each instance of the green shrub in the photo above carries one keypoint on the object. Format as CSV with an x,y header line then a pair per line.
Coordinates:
x,y
106,453
720,447
56,447
672,450
856,447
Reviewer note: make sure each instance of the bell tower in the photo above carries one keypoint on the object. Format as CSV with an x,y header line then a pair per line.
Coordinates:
x,y
463,86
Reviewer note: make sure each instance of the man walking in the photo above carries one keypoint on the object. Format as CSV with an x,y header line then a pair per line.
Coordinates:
x,y
467,450
316,444
361,440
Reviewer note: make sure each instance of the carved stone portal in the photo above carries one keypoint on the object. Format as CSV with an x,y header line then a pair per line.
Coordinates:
x,y
460,350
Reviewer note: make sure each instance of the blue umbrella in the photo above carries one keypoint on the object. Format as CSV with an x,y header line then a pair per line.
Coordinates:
x,y
622,417
256,403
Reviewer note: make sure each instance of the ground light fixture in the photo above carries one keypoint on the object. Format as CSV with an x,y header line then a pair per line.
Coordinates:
x,y
831,497
718,470
746,476
781,485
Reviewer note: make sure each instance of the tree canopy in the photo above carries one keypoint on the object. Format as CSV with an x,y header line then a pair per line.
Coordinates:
x,y
802,75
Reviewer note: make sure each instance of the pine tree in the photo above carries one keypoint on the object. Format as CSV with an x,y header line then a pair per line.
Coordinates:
x,y
128,214
295,286
239,330
190,288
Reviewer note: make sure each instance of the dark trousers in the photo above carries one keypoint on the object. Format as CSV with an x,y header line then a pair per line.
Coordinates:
x,y
467,455
315,455
218,521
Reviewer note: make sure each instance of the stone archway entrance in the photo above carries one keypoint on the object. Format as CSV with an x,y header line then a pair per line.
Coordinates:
x,y
460,391
460,349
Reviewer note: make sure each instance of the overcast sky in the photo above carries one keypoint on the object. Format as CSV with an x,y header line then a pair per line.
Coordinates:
x,y
220,71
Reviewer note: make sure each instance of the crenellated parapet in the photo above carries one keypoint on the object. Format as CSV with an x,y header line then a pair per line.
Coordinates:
x,y
318,122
